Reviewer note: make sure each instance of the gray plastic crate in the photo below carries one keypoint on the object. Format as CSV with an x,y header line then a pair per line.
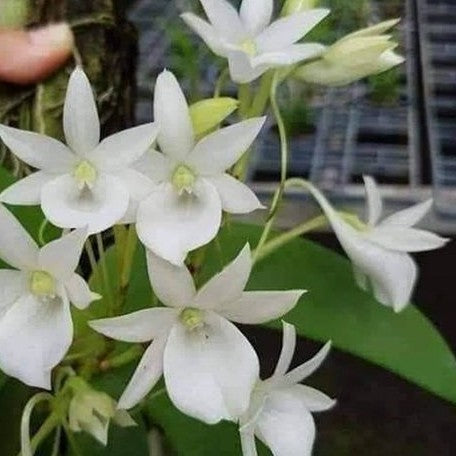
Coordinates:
x,y
438,57
354,136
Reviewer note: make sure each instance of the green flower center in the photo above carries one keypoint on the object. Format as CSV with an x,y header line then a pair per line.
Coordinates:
x,y
249,47
183,179
192,318
85,174
42,284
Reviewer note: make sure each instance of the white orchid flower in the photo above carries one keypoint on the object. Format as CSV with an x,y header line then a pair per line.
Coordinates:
x,y
248,39
87,183
185,209
208,365
36,329
355,56
92,411
280,407
379,249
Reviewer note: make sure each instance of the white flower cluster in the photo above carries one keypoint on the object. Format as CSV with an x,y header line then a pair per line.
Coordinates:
x,y
175,195
176,200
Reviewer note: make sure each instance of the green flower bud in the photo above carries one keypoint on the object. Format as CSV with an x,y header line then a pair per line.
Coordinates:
x,y
355,56
298,6
207,114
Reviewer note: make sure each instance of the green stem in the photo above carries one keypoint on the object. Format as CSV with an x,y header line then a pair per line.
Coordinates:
x,y
28,446
245,98
260,102
282,239
124,358
71,440
105,272
283,167
129,253
221,81
93,264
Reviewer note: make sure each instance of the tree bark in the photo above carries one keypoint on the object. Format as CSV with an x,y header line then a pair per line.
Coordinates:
x,y
106,46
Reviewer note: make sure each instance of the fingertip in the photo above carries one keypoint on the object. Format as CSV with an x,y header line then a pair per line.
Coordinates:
x,y
27,57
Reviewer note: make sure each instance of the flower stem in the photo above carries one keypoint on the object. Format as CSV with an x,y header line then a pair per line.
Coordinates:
x,y
282,239
223,77
283,167
126,357
93,263
28,446
105,273
129,253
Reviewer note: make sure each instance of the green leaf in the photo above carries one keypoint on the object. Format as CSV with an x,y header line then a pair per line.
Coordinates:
x,y
336,309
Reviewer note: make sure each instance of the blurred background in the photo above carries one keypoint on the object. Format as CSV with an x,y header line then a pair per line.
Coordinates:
x,y
399,127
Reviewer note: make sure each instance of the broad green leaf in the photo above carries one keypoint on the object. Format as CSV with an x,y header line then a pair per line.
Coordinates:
x,y
207,114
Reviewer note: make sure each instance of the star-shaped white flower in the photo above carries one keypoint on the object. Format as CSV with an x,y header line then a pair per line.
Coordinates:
x,y
184,211
87,183
36,329
209,366
378,249
248,39
280,407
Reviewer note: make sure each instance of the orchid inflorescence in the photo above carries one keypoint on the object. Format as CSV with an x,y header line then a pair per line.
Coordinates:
x,y
174,186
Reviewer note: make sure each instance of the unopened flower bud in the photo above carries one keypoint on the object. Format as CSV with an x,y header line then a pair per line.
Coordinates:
x,y
298,6
354,57
92,411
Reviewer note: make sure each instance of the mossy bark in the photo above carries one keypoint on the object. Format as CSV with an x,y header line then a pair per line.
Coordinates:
x,y
106,48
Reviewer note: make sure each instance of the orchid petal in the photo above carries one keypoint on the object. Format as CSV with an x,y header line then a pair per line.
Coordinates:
x,y
374,201
17,248
26,191
141,326
410,216
236,197
79,293
13,284
175,137
80,117
61,257
207,33
286,432
225,19
241,68
173,285
257,307
120,150
256,14
99,208
248,443
287,352
405,239
171,225
290,29
312,399
146,375
288,56
42,332
37,150
155,165
226,286
298,374
210,374
220,150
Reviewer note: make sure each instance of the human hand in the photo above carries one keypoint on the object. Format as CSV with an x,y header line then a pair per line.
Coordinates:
x,y
27,56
